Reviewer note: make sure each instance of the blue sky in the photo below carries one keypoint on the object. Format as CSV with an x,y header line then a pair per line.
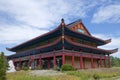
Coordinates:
x,y
24,20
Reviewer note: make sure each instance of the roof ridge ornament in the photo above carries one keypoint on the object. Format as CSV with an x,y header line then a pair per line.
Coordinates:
x,y
62,22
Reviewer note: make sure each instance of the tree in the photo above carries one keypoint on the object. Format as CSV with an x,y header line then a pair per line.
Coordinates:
x,y
115,62
3,66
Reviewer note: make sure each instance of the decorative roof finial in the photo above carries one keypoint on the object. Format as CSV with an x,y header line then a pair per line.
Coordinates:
x,y
62,21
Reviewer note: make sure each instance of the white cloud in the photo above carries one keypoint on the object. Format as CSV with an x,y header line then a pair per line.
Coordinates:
x,y
18,17
115,43
109,13
44,13
15,34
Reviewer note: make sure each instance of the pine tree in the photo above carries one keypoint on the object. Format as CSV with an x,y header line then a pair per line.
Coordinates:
x,y
3,66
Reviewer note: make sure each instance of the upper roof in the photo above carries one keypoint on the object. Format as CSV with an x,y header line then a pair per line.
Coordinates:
x,y
79,23
58,32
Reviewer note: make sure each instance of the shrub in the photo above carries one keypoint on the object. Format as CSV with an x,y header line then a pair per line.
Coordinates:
x,y
67,67
25,68
96,77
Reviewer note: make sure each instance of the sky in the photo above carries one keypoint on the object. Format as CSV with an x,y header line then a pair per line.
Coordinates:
x,y
22,20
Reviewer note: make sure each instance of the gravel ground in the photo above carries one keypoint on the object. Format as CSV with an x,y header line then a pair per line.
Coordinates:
x,y
45,73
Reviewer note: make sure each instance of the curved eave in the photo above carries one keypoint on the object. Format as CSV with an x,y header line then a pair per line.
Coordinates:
x,y
102,42
114,50
108,41
90,47
39,37
9,49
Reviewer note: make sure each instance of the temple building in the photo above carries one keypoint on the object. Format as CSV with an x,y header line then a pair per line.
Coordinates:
x,y
67,44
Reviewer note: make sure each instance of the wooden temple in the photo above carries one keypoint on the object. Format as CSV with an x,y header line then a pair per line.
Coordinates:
x,y
67,44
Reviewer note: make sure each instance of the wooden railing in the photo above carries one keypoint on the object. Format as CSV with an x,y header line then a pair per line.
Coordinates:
x,y
52,53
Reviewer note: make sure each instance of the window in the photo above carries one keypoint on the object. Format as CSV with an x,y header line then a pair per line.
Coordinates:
x,y
80,30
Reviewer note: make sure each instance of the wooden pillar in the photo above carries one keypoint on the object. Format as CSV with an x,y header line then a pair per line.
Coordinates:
x,y
92,62
48,63
54,58
30,62
73,60
100,62
105,62
20,62
40,62
108,62
81,62
63,59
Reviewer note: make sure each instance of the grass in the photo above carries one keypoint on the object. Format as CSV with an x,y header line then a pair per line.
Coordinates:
x,y
89,74
23,75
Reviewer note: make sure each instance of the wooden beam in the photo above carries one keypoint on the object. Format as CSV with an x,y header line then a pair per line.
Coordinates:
x,y
81,62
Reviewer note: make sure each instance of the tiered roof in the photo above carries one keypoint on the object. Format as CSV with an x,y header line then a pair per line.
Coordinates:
x,y
58,44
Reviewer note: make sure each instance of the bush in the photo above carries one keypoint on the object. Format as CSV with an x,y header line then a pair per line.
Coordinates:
x,y
25,68
67,67
96,76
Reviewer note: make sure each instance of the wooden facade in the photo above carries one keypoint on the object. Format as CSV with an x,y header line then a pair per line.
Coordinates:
x,y
67,44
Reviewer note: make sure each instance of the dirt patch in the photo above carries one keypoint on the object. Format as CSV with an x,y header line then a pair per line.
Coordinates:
x,y
45,73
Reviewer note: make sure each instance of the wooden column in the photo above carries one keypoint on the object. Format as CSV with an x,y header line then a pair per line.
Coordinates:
x,y
81,62
63,59
40,62
20,64
105,62
54,58
108,62
100,62
73,60
92,62
30,62
48,63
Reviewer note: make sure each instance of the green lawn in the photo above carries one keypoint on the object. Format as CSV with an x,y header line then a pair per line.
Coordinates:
x,y
89,74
